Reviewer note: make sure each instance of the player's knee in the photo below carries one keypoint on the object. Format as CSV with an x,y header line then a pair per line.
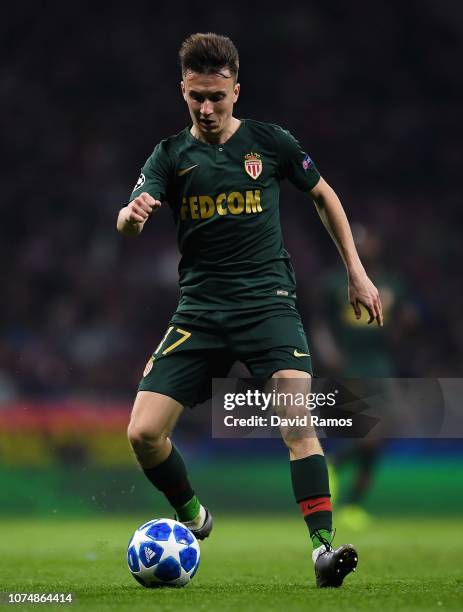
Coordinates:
x,y
141,437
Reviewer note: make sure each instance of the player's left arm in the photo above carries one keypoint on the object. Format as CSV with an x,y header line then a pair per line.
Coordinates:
x,y
361,289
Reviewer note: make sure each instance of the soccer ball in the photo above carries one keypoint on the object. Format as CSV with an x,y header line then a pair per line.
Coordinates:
x,y
163,552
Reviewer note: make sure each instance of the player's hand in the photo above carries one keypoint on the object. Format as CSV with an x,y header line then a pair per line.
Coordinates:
x,y
141,208
362,291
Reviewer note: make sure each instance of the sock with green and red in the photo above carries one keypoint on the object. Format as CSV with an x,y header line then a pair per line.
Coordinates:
x,y
312,492
171,478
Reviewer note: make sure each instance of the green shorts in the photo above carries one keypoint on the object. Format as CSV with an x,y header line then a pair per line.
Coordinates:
x,y
199,346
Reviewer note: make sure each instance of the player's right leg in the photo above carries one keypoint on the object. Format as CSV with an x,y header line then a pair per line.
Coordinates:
x,y
177,375
153,418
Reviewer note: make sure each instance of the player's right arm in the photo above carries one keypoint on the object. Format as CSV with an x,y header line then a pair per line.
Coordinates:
x,y
132,218
148,193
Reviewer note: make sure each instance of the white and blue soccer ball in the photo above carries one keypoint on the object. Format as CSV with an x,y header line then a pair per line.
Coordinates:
x,y
163,552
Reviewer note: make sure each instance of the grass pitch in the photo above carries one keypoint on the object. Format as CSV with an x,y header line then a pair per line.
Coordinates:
x,y
248,564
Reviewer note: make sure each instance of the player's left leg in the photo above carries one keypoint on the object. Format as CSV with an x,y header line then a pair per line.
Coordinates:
x,y
309,475
273,344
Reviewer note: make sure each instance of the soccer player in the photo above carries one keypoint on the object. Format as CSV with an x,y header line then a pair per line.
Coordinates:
x,y
220,177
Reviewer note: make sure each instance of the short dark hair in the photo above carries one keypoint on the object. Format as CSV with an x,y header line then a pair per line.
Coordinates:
x,y
209,53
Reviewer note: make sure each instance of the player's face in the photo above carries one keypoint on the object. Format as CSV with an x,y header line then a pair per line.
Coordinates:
x,y
210,99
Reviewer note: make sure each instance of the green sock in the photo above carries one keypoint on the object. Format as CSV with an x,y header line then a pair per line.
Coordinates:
x,y
324,533
189,511
171,478
312,492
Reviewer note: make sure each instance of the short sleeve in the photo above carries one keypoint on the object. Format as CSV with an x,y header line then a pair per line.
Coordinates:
x,y
294,163
154,176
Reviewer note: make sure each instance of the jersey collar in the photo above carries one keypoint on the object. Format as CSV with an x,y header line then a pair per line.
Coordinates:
x,y
232,138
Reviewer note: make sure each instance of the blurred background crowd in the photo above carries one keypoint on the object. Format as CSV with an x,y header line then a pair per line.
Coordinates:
x,y
372,92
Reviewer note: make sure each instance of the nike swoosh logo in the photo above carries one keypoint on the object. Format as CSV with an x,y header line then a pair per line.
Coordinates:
x,y
298,354
185,170
315,505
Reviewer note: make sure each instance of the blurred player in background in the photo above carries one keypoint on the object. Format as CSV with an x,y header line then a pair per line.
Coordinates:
x,y
220,177
352,350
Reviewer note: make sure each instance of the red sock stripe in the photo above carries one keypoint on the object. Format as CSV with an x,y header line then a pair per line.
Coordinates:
x,y
316,504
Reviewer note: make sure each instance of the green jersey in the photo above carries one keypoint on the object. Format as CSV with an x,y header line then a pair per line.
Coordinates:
x,y
225,202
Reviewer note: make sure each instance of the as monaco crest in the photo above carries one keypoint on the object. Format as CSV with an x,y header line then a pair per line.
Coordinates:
x,y
253,165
